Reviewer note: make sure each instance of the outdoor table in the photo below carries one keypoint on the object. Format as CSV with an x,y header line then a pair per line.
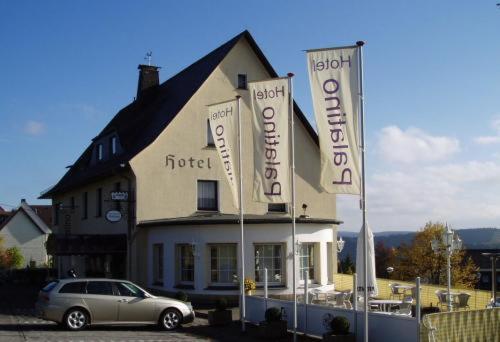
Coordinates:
x,y
404,288
385,304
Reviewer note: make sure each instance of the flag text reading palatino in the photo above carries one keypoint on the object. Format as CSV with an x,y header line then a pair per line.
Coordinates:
x,y
271,140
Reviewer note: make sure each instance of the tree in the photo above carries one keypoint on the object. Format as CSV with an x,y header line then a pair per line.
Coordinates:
x,y
419,260
384,257
14,258
347,266
11,257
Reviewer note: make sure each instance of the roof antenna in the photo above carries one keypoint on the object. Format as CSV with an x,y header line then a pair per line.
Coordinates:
x,y
148,57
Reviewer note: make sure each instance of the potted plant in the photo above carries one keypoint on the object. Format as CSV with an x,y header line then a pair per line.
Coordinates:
x,y
221,315
339,331
274,327
249,286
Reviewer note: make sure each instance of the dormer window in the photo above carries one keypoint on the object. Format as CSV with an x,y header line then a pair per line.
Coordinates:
x,y
112,145
100,152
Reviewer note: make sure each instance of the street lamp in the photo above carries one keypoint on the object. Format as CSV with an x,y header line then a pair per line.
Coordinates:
x,y
493,257
340,244
452,243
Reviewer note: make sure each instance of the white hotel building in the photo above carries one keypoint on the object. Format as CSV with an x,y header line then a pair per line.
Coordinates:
x,y
179,228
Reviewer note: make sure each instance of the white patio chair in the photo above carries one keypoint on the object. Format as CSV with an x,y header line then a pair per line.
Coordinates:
x,y
340,300
347,299
408,299
404,309
395,291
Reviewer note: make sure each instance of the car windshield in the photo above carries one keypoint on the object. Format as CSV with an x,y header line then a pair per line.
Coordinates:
x,y
50,286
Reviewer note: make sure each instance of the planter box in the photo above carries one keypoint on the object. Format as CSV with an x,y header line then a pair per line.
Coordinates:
x,y
329,337
220,317
272,330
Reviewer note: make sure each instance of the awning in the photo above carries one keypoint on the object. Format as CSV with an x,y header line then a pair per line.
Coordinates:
x,y
58,244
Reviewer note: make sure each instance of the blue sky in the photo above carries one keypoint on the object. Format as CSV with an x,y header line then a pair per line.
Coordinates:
x,y
432,88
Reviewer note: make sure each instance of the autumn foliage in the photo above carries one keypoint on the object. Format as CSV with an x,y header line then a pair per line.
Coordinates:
x,y
10,257
419,260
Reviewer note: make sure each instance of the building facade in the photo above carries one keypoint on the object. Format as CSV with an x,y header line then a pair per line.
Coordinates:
x,y
179,228
27,228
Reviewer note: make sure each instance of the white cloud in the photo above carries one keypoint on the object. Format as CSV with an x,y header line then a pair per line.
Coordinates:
x,y
487,140
463,194
490,139
34,128
414,145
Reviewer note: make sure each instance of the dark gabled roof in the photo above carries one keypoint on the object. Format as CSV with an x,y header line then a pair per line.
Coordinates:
x,y
32,215
140,123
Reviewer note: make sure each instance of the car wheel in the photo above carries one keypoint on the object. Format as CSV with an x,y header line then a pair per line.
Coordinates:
x,y
170,319
76,319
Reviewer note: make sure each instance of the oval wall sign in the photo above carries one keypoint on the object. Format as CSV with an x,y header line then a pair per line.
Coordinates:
x,y
113,216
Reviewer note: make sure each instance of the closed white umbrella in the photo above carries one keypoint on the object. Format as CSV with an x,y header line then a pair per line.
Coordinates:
x,y
370,269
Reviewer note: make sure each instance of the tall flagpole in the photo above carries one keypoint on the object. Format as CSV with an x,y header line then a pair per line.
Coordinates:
x,y
292,137
242,237
363,188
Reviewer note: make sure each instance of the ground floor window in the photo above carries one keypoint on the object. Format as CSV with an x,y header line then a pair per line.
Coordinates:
x,y
185,264
269,256
306,260
158,263
223,263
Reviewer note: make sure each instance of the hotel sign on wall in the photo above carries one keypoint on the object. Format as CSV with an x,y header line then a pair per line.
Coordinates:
x,y
119,196
113,215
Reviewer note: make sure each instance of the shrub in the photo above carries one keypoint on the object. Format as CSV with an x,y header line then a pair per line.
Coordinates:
x,y
273,315
339,325
181,295
221,304
14,258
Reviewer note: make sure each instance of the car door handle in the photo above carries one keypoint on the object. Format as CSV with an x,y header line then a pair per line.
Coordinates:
x,y
122,301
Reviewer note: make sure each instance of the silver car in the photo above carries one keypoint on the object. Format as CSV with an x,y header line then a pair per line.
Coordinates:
x,y
78,302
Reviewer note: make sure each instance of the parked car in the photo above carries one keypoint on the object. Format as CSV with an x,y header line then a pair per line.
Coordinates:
x,y
78,302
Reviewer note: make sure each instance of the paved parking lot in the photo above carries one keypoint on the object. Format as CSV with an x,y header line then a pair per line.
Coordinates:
x,y
19,324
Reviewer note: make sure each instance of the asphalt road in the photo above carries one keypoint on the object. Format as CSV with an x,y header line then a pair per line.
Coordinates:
x,y
19,324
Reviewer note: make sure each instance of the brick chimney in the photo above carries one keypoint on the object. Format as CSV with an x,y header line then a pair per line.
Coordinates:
x,y
148,77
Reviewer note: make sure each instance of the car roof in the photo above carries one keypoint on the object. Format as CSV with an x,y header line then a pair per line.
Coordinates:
x,y
70,280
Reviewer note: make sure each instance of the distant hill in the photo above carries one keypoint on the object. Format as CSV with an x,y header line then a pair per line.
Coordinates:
x,y
473,238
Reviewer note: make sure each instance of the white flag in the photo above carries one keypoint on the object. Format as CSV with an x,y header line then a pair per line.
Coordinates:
x,y
333,76
270,102
224,126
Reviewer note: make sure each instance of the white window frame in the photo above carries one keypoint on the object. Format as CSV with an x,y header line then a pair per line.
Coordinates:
x,y
231,280
270,279
302,255
217,195
179,260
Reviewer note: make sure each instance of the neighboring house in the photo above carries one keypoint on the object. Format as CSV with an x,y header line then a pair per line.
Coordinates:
x,y
27,229
484,263
179,227
4,215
